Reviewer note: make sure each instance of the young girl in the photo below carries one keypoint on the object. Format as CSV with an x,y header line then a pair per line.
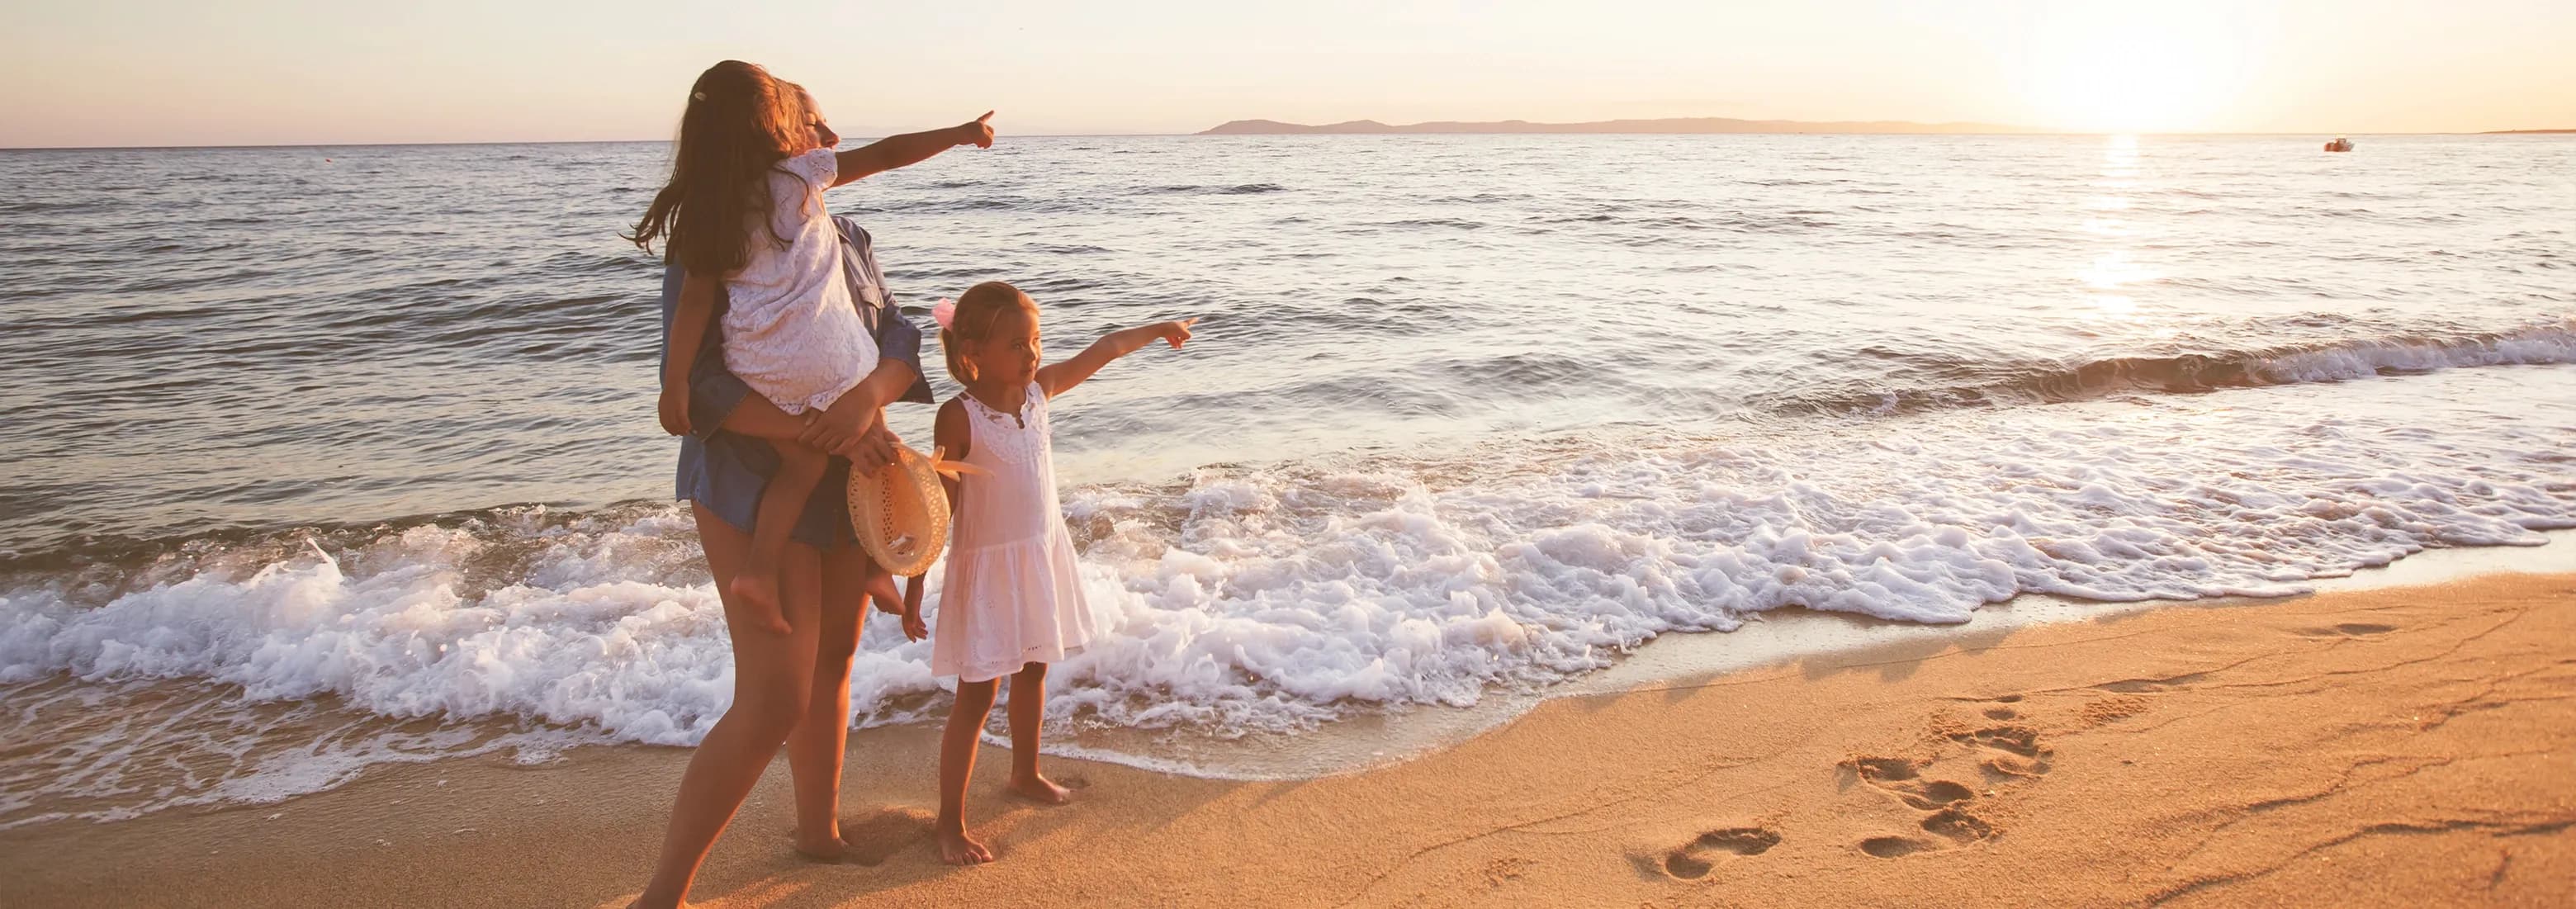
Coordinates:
x,y
745,209
1013,599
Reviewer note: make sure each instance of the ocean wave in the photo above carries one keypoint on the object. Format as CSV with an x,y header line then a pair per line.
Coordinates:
x,y
1261,599
1445,223
1972,382
1240,189
1273,598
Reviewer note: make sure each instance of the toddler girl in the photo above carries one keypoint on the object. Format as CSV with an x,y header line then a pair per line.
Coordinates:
x,y
1013,599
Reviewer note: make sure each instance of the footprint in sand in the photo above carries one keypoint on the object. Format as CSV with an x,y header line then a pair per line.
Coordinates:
x,y
1948,820
2016,751
1900,777
1955,828
1694,860
1893,846
2012,751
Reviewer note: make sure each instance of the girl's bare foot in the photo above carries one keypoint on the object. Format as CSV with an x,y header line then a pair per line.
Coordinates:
x,y
881,589
757,591
1037,788
956,849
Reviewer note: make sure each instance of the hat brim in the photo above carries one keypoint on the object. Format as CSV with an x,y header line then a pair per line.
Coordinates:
x,y
900,513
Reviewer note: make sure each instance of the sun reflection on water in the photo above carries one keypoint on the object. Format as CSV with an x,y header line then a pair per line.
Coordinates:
x,y
2107,279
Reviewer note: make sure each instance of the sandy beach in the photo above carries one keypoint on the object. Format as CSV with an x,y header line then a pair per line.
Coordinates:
x,y
2404,746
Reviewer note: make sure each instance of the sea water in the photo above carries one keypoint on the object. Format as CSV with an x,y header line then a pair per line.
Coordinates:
x,y
332,457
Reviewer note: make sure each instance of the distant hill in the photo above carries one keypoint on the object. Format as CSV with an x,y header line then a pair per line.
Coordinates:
x,y
1667,125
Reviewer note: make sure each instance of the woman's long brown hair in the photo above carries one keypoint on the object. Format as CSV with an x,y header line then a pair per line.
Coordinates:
x,y
740,122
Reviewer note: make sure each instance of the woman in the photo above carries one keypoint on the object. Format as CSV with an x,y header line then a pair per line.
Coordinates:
x,y
794,686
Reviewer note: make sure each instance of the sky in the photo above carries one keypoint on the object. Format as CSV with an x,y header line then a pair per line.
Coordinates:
x,y
266,72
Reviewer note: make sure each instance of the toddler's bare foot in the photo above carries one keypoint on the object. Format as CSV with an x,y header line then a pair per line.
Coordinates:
x,y
881,589
757,591
1037,788
956,849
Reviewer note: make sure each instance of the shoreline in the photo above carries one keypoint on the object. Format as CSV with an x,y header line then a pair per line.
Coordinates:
x,y
2197,754
1370,741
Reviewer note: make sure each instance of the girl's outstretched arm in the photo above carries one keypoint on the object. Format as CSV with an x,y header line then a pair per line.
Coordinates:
x,y
688,330
1057,378
909,149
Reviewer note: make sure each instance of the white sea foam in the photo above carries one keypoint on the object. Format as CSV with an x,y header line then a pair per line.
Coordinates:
x,y
1271,600
2541,343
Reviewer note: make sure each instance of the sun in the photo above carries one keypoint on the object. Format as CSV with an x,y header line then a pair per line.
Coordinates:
x,y
2129,69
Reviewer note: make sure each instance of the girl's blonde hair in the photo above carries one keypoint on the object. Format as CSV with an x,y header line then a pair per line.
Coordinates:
x,y
977,309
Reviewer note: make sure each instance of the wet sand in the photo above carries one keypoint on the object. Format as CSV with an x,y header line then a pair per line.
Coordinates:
x,y
2404,746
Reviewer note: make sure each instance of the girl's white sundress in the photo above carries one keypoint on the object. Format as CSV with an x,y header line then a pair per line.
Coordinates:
x,y
1013,593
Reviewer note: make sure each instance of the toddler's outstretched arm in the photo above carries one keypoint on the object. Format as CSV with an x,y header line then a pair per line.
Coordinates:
x,y
1058,378
906,150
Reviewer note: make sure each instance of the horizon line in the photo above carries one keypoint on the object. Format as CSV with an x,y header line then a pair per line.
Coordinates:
x,y
1204,135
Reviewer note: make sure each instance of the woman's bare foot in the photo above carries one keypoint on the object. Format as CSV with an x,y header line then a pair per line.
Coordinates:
x,y
956,848
757,591
1037,788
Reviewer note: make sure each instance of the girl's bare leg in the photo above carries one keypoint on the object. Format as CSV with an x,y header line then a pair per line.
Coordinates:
x,y
821,739
773,679
956,767
1028,706
782,503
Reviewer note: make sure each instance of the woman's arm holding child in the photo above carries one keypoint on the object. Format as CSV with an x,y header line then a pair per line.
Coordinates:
x,y
852,414
1058,378
906,150
688,330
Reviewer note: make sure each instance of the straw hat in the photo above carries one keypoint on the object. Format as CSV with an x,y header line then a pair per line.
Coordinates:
x,y
901,512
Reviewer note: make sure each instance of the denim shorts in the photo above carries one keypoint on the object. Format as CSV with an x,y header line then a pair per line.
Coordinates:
x,y
726,472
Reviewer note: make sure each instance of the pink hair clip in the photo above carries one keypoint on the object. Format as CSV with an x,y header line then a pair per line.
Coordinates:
x,y
944,312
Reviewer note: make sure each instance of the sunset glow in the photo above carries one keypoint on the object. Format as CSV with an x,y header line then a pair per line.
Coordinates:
x,y
2134,69
277,72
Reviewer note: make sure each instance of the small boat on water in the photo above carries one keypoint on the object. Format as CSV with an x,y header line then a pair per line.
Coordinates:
x,y
2340,144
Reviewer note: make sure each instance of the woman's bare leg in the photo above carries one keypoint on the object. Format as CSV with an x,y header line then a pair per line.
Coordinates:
x,y
957,767
816,748
773,679
1028,706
